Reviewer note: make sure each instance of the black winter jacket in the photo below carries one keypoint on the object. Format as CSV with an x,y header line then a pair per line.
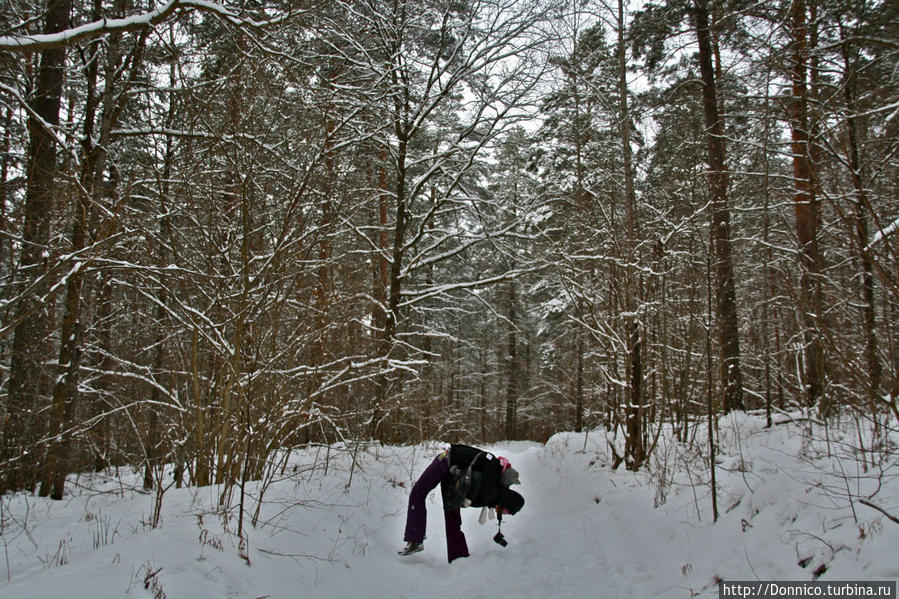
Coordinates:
x,y
486,474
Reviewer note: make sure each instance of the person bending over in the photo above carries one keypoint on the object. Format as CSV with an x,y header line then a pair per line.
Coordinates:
x,y
468,477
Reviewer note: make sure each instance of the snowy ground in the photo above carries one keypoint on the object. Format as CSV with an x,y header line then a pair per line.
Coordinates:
x,y
584,531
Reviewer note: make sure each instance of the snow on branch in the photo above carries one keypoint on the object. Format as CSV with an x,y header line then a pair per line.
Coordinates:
x,y
99,28
29,43
880,235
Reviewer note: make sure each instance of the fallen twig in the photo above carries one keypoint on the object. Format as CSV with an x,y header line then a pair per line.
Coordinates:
x,y
879,509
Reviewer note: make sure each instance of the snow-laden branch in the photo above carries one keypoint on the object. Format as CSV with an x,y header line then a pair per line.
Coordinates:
x,y
43,41
881,235
50,129
416,297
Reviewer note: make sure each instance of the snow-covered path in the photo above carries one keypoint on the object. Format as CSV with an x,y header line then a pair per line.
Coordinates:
x,y
564,543
584,532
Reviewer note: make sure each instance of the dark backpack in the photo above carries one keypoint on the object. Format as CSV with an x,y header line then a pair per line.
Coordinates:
x,y
455,488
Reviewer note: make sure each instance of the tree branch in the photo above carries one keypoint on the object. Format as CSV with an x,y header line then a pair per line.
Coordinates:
x,y
879,509
31,43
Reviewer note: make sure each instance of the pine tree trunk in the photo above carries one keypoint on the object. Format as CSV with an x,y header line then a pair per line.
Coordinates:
x,y
379,260
511,427
391,320
103,430
66,387
633,412
872,361
203,450
726,304
322,342
380,285
767,291
579,383
805,207
634,422
5,194
28,381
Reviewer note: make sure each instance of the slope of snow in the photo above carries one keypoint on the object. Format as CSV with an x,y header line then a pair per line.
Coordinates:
x,y
585,531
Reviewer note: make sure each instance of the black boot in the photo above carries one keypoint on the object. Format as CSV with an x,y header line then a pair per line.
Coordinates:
x,y
411,548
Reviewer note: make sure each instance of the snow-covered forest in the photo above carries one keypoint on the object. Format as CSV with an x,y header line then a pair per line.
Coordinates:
x,y
237,236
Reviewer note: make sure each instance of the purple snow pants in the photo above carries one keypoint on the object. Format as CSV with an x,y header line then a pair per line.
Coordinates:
x,y
417,515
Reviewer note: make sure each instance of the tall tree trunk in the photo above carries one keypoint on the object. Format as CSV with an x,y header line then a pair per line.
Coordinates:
x,y
102,431
482,394
379,261
66,386
853,128
65,389
202,470
28,381
633,412
805,207
395,282
726,300
160,367
321,346
710,399
402,129
579,382
581,200
5,191
511,428
380,285
767,291
633,449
